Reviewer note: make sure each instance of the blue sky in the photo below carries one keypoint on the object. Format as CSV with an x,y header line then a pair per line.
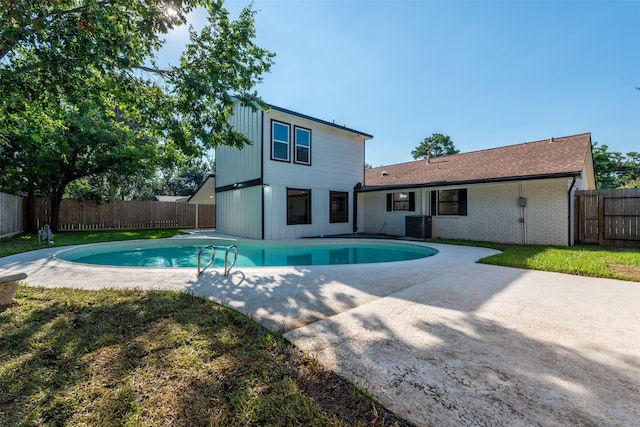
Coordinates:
x,y
486,73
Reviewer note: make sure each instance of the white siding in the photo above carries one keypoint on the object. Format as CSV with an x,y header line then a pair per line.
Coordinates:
x,y
239,212
493,213
234,165
276,228
242,212
337,157
337,164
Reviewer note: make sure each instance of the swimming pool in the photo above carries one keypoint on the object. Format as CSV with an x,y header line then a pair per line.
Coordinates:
x,y
176,253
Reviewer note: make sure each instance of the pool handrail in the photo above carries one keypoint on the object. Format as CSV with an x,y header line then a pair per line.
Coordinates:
x,y
227,267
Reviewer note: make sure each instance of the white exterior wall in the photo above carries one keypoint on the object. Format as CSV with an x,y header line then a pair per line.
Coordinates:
x,y
375,219
233,165
337,164
239,212
493,213
275,217
547,212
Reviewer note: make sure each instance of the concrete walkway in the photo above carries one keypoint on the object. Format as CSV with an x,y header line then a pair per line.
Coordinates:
x,y
439,341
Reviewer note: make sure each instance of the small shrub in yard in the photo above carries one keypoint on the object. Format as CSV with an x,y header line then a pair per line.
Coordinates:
x,y
127,357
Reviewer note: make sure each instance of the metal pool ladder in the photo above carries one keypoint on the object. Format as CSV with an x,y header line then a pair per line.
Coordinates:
x,y
227,267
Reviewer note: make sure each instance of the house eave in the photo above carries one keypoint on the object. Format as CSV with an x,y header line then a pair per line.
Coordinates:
x,y
367,188
202,184
324,122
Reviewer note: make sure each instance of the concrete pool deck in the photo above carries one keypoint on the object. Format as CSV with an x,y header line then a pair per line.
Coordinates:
x,y
439,341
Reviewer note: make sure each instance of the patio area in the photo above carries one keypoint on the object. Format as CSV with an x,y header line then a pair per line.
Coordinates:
x,y
439,341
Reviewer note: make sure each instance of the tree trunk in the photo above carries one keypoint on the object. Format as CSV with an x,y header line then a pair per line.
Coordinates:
x,y
30,226
56,201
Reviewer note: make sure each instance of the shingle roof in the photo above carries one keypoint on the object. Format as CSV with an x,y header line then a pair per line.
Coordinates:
x,y
563,156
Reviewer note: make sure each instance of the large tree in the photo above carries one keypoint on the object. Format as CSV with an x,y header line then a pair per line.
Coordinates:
x,y
82,95
435,145
615,170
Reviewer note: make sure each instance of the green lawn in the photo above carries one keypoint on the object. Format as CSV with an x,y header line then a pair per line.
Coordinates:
x,y
159,358
132,358
29,242
581,260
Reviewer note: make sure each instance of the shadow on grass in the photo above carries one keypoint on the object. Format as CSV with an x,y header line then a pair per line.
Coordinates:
x,y
145,358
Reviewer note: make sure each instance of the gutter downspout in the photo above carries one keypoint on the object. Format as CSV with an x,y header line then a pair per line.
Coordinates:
x,y
569,226
262,167
355,206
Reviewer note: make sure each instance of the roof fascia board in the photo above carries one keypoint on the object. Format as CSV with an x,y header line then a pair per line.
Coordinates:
x,y
324,122
467,182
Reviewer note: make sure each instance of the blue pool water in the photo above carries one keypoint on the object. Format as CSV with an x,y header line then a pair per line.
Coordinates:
x,y
184,252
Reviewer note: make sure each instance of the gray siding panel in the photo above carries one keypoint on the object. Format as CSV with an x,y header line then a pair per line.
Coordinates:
x,y
234,165
239,212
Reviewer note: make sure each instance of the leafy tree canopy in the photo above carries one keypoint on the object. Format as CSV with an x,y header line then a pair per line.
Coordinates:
x,y
615,170
82,95
435,145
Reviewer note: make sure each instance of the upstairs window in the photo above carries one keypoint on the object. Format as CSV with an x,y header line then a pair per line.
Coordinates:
x,y
450,202
338,206
404,201
302,143
280,135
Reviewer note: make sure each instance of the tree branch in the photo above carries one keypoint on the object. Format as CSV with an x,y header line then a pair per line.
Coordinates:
x,y
150,70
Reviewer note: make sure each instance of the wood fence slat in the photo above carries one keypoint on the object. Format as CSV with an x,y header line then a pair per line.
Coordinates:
x,y
608,217
115,215
12,214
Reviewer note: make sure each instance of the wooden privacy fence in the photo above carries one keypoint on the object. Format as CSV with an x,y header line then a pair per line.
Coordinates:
x,y
608,217
120,215
12,209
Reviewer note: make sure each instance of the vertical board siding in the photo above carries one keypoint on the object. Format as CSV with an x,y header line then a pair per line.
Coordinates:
x,y
609,217
12,213
78,215
238,165
242,212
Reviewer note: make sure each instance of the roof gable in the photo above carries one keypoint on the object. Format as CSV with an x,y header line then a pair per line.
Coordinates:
x,y
563,156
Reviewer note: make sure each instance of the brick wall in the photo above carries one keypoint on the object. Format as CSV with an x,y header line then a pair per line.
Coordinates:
x,y
493,214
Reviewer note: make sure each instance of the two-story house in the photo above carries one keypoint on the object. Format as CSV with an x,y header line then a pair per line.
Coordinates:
x,y
297,178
